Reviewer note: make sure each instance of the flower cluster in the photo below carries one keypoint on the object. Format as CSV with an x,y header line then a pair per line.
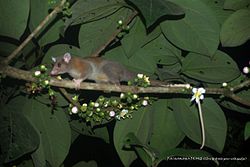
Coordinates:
x,y
124,28
109,108
141,80
41,83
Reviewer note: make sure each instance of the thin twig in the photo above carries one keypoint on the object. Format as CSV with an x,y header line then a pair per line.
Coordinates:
x,y
38,28
67,96
113,36
239,99
240,86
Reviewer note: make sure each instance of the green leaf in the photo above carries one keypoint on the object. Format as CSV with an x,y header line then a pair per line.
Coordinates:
x,y
214,122
91,10
145,153
236,29
171,133
135,39
220,68
82,128
14,17
157,51
94,35
247,131
18,136
217,8
152,10
231,105
39,9
236,4
139,125
6,48
60,50
146,125
86,164
54,131
198,31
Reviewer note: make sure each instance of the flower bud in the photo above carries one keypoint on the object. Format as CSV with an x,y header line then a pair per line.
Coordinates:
x,y
246,70
37,73
111,113
74,110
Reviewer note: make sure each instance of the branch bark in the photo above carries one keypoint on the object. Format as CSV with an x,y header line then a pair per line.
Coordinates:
x,y
167,89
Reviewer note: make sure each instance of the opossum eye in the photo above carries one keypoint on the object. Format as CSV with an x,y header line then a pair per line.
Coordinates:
x,y
59,65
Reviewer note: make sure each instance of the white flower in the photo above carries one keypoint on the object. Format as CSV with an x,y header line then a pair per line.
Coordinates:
x,y
96,104
224,84
198,94
123,113
111,113
140,76
246,70
74,110
144,102
146,79
37,73
122,95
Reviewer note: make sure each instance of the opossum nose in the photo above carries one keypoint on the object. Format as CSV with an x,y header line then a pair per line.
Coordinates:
x,y
53,73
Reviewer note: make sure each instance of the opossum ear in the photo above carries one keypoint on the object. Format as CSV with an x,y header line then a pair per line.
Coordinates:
x,y
53,59
67,57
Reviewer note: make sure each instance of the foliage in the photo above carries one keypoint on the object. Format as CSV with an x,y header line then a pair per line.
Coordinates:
x,y
169,40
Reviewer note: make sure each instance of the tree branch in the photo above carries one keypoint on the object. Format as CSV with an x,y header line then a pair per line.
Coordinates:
x,y
38,28
171,89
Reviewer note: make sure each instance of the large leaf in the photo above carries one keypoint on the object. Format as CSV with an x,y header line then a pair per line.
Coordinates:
x,y
220,68
14,16
236,4
146,126
82,128
54,131
6,48
18,136
136,38
198,31
171,133
152,10
146,154
236,29
94,35
139,125
91,10
214,121
51,31
158,51
231,105
217,8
